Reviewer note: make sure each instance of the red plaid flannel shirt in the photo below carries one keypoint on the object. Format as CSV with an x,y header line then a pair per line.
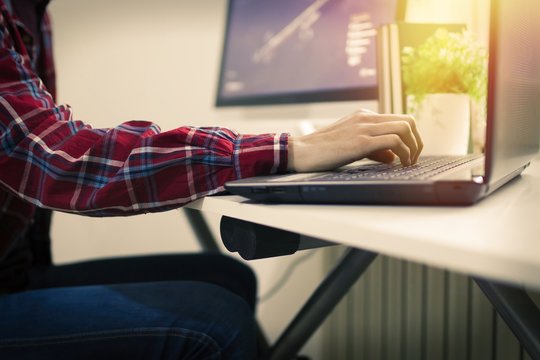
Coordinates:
x,y
50,159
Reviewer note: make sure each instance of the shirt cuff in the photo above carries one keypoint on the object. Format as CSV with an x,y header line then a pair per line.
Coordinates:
x,y
256,155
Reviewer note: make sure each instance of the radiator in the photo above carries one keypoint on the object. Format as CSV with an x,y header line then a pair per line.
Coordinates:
x,y
402,310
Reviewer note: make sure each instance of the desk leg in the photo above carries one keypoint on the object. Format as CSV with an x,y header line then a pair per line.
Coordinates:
x,y
202,230
321,303
518,311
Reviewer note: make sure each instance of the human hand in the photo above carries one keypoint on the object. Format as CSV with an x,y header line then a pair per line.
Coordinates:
x,y
363,134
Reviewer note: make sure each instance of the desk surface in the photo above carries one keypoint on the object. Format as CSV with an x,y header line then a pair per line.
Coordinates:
x,y
498,238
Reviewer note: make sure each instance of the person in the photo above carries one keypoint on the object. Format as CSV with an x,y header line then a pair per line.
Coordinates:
x,y
186,306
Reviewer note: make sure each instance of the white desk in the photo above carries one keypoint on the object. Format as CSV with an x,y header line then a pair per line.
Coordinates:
x,y
498,238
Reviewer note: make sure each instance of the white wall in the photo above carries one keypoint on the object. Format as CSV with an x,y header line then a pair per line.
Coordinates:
x,y
474,13
158,60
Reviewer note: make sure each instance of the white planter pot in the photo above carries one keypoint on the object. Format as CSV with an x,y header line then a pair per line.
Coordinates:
x,y
444,123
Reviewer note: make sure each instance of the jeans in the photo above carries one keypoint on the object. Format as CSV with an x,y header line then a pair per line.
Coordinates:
x,y
197,306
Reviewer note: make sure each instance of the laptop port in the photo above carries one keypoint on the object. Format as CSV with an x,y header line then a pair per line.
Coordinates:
x,y
259,190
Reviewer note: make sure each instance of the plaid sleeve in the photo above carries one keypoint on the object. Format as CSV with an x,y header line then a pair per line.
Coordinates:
x,y
52,160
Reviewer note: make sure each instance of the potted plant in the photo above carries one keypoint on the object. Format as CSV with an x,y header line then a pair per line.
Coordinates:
x,y
441,78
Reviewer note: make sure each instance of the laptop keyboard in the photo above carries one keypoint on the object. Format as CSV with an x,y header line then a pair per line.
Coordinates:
x,y
425,168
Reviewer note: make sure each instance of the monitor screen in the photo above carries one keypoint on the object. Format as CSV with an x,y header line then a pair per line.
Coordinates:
x,y
292,51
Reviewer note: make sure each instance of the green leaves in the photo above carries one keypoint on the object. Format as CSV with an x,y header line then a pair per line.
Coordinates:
x,y
445,63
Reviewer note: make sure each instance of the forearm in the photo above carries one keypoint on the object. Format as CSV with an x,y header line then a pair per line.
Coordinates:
x,y
68,166
53,161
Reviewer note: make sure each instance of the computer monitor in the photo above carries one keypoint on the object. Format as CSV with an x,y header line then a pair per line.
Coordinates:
x,y
284,51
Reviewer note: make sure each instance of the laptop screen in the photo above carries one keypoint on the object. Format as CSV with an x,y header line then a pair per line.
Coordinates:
x,y
513,127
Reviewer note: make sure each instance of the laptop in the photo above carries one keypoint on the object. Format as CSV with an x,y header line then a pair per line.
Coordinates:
x,y
512,137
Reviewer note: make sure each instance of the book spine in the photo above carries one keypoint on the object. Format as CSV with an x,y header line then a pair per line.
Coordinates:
x,y
383,71
395,69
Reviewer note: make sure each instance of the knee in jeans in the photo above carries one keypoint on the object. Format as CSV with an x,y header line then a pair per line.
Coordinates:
x,y
230,322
